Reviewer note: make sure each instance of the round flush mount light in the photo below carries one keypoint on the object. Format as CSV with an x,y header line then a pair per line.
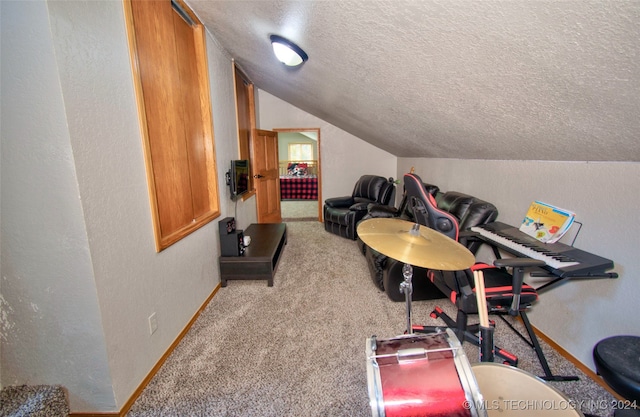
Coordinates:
x,y
287,52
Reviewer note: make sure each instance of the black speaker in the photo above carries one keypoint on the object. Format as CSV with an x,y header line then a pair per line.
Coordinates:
x,y
231,240
227,225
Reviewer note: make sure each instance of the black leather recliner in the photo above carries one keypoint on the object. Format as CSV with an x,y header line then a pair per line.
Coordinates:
x,y
342,214
467,211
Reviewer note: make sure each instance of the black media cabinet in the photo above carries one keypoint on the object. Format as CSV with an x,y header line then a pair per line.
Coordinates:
x,y
260,258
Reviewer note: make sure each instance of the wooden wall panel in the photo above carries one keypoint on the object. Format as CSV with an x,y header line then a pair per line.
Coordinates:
x,y
169,58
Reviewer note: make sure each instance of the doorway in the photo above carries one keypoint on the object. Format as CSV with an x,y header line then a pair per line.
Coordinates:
x,y
300,174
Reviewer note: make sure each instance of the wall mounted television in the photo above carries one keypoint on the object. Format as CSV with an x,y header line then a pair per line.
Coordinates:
x,y
238,178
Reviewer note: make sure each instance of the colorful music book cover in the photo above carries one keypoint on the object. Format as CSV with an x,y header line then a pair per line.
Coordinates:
x,y
546,223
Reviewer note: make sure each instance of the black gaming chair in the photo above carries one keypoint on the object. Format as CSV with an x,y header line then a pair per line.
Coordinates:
x,y
425,210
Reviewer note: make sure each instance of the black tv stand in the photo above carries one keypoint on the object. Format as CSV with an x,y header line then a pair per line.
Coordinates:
x,y
260,259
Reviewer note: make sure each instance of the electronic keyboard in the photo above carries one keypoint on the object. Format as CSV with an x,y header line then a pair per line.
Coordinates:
x,y
561,260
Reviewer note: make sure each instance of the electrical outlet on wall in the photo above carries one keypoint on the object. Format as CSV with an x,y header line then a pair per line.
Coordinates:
x,y
153,323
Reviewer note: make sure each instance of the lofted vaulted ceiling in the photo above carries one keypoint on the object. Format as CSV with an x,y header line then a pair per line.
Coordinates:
x,y
521,79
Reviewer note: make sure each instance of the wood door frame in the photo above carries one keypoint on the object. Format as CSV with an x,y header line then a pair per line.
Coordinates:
x,y
266,195
244,96
317,131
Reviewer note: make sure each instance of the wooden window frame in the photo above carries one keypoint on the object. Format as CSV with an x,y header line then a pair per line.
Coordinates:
x,y
244,93
183,188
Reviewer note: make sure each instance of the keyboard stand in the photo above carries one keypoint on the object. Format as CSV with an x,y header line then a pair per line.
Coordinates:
x,y
533,339
563,263
535,344
555,279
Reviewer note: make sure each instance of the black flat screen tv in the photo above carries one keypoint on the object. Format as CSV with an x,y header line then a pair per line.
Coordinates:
x,y
239,178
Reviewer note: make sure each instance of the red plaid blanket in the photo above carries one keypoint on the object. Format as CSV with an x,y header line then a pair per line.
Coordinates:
x,y
298,188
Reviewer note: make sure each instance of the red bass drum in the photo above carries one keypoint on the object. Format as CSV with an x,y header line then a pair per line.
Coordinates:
x,y
421,375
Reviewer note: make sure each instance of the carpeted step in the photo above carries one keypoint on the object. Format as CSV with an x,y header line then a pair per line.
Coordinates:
x,y
33,401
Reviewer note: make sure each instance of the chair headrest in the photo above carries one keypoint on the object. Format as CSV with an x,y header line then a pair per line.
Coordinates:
x,y
425,208
374,188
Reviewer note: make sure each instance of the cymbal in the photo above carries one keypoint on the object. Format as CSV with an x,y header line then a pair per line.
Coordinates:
x,y
424,247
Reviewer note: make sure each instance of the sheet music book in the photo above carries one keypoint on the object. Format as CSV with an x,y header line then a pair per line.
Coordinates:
x,y
546,222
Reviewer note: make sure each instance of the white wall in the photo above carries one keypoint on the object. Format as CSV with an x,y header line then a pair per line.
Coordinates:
x,y
80,274
344,157
51,322
605,198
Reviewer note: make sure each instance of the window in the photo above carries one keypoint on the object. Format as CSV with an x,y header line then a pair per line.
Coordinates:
x,y
245,108
300,152
169,62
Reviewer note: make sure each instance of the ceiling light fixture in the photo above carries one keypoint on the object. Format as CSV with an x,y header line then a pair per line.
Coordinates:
x,y
287,52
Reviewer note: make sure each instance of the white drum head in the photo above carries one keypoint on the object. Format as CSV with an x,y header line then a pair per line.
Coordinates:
x,y
510,391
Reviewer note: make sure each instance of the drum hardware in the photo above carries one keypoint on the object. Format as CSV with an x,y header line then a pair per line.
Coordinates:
x,y
411,244
485,332
405,354
506,356
406,286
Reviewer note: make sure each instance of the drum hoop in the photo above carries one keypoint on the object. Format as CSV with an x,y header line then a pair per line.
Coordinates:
x,y
375,385
535,377
467,378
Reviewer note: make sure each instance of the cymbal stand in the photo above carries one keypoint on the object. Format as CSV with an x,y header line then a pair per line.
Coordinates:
x,y
407,287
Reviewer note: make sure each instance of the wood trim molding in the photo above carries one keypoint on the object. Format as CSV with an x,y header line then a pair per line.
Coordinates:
x,y
132,399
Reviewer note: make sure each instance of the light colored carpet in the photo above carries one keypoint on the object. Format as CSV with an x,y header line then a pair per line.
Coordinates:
x,y
298,348
299,210
33,401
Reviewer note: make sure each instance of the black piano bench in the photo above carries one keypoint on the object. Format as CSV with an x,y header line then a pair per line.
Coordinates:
x,y
617,362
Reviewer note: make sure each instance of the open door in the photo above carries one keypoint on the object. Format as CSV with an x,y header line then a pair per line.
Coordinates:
x,y
266,179
287,136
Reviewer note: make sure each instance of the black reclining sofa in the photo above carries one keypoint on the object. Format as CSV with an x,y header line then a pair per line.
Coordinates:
x,y
387,273
342,214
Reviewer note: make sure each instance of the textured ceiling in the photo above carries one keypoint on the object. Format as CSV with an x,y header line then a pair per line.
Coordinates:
x,y
541,80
